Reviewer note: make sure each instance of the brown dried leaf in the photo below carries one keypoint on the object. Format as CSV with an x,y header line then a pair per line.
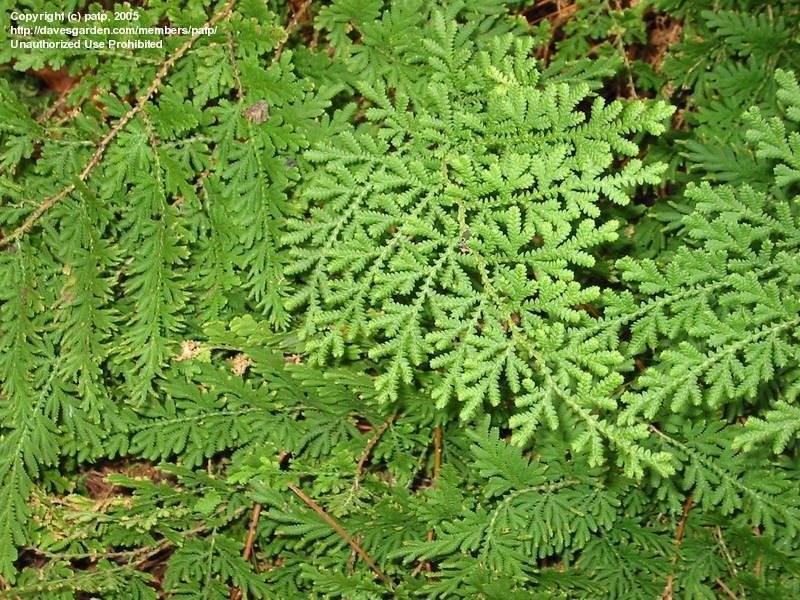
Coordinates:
x,y
257,113
240,363
189,349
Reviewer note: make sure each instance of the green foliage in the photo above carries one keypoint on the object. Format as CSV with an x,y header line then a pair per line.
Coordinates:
x,y
448,236
394,299
727,58
474,206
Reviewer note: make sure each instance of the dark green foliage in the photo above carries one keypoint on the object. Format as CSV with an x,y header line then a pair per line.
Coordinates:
x,y
402,299
726,60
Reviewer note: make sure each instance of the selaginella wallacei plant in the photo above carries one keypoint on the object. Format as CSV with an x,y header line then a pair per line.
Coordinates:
x,y
329,303
448,236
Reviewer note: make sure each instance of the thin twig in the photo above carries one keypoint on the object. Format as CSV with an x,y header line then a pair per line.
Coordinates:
x,y
291,27
725,552
54,108
334,524
728,591
151,558
437,467
234,68
236,593
251,532
558,16
437,454
166,66
362,461
680,531
423,564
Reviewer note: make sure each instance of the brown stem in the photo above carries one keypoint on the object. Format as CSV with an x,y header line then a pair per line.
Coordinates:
x,y
680,531
437,453
251,532
558,16
291,27
236,593
54,108
334,524
728,591
362,461
437,467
